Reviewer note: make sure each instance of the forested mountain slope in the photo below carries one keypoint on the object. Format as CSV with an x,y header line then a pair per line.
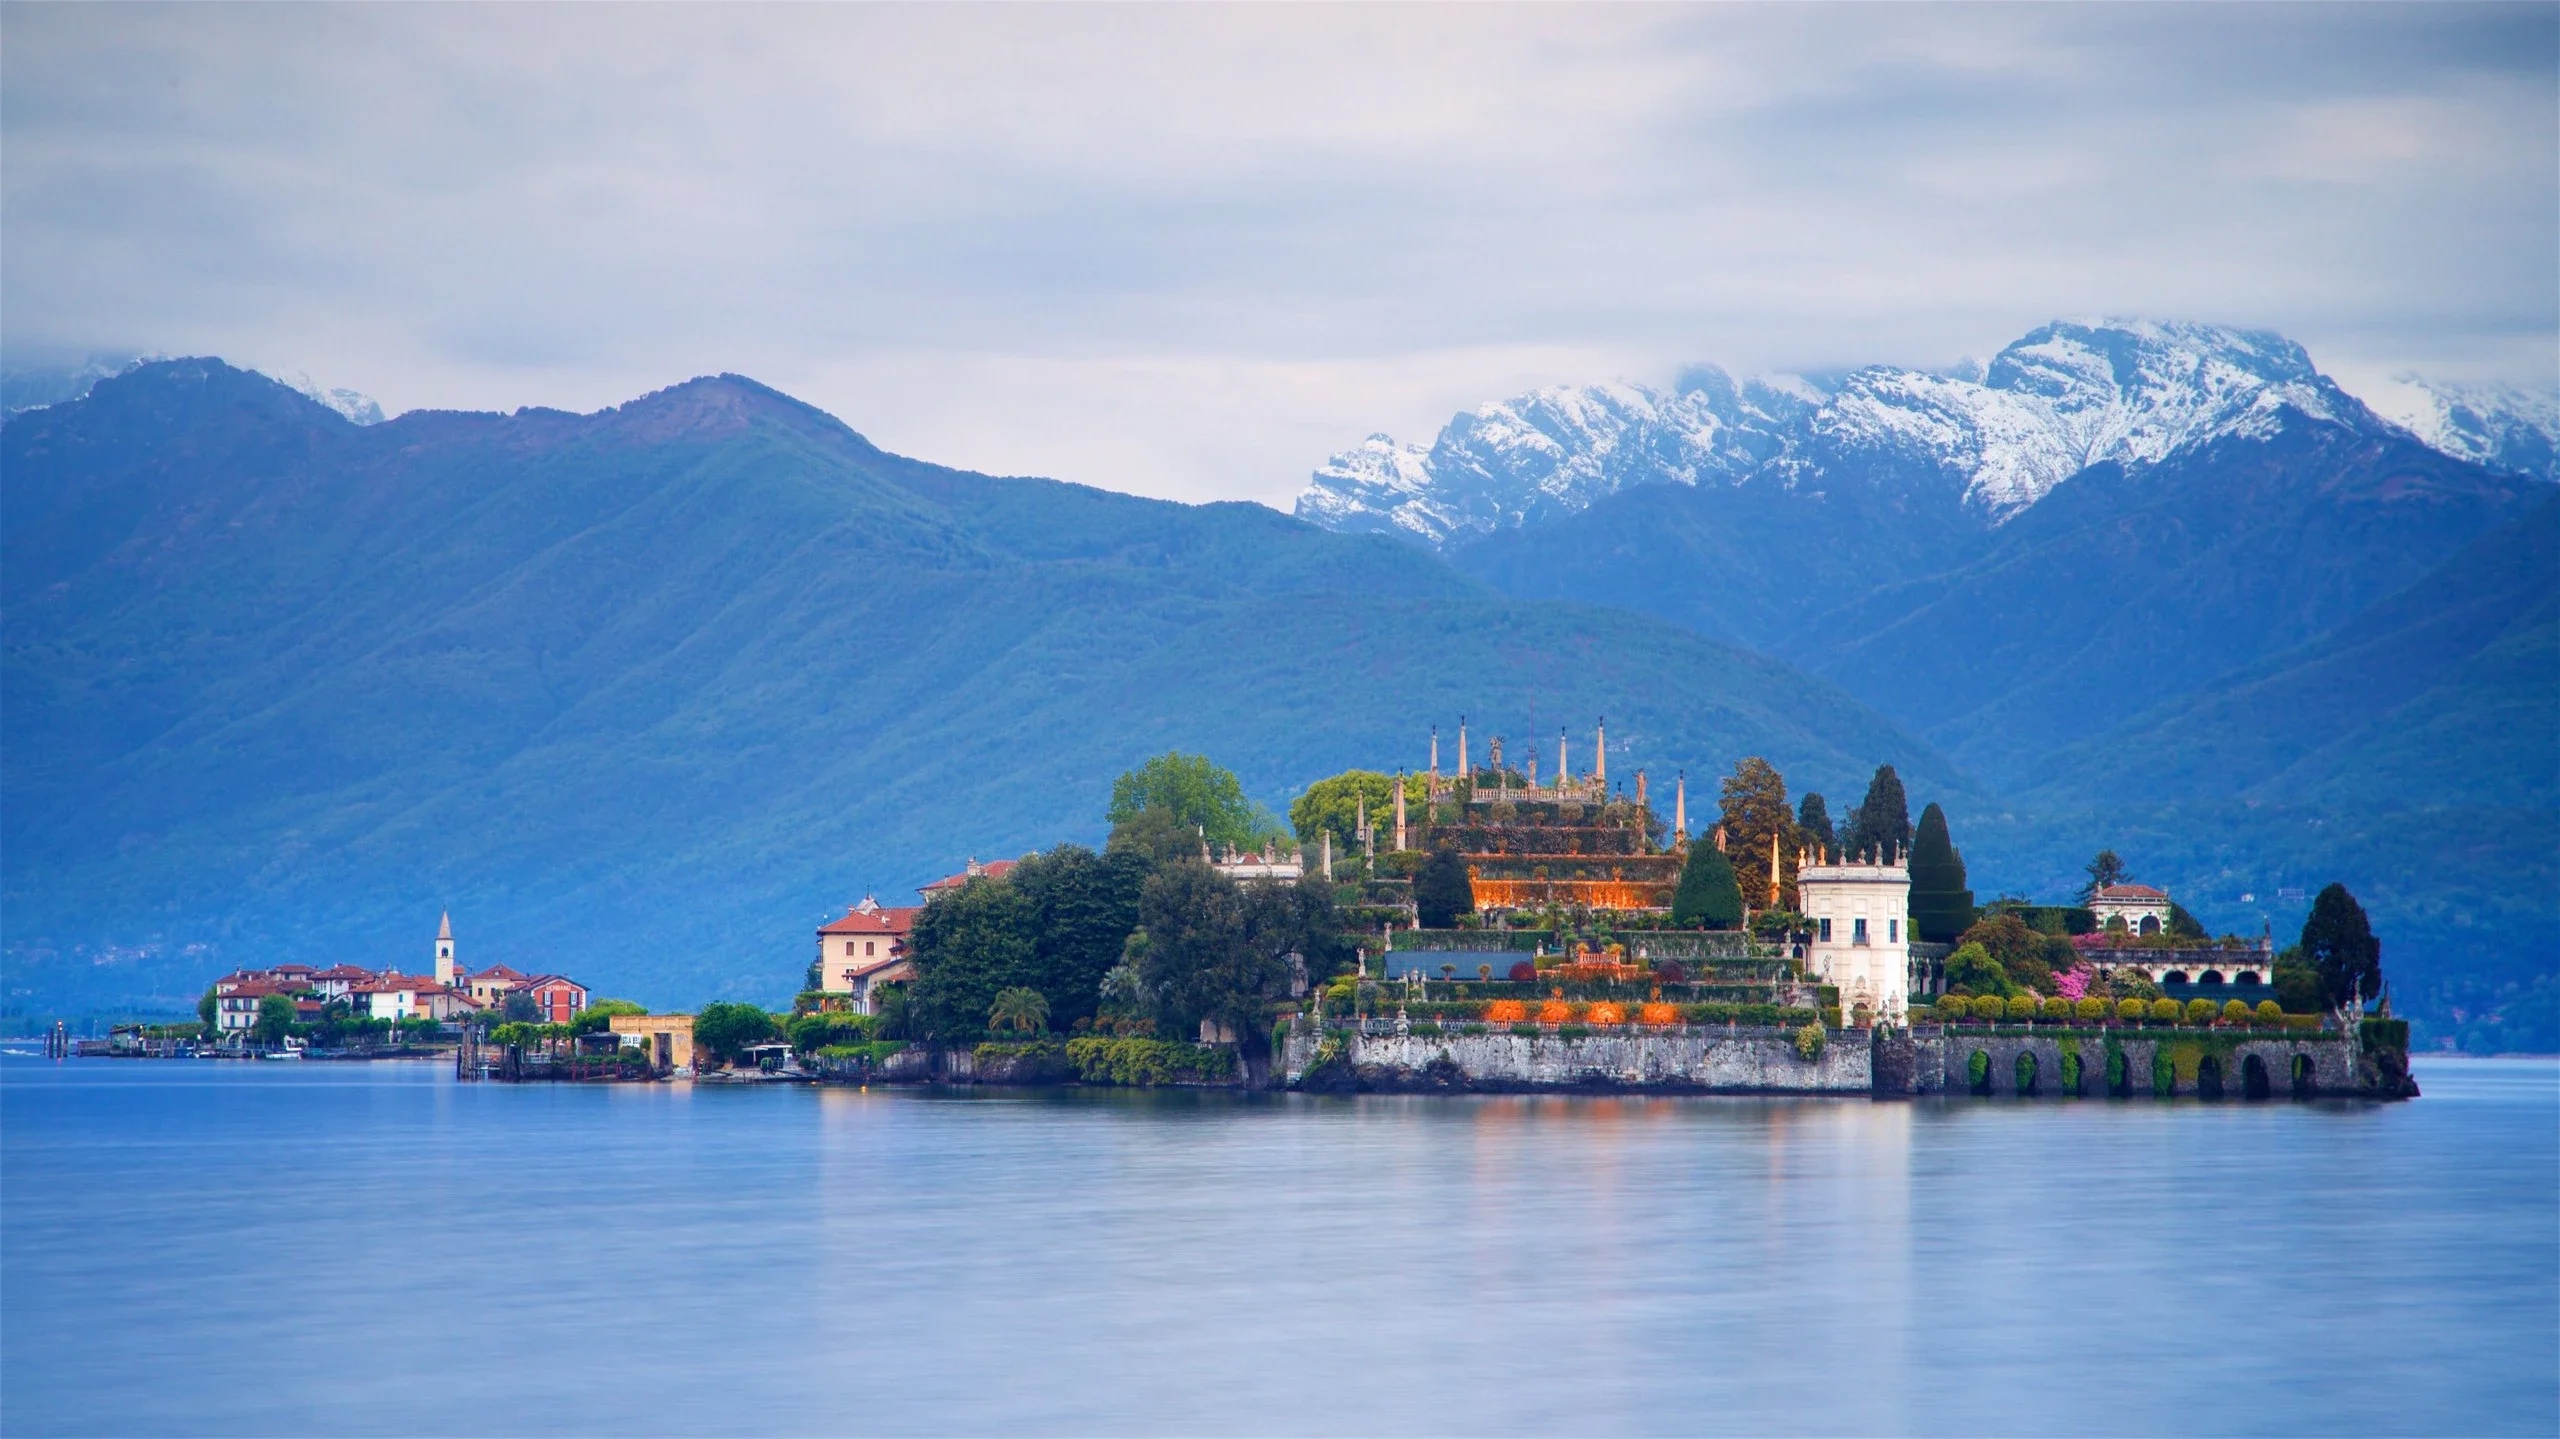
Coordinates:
x,y
642,694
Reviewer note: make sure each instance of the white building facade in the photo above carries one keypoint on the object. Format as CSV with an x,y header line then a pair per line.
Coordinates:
x,y
1861,920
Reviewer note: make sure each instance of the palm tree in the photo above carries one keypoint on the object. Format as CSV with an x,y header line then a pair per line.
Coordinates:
x,y
1020,1008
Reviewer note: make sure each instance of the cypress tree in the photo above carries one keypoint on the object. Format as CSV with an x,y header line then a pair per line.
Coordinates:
x,y
1941,907
1708,895
1882,822
1441,889
2338,943
1813,823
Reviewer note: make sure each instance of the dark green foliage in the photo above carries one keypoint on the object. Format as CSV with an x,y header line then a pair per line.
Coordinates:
x,y
275,1020
2183,925
518,1008
1208,948
968,946
1081,909
1019,1010
810,1033
2338,944
1813,823
2107,869
1149,1061
726,1030
1153,837
597,1017
206,1007
1707,897
1977,1071
1441,890
1882,821
1941,906
1337,803
2019,951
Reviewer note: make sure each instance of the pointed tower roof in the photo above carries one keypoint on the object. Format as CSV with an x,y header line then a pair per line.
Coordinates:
x,y
444,930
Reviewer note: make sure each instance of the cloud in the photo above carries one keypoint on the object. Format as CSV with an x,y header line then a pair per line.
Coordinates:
x,y
1190,250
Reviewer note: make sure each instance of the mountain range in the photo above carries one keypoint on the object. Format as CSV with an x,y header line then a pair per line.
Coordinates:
x,y
647,694
644,694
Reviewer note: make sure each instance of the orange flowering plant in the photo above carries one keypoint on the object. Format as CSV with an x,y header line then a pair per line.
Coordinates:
x,y
1658,1013
1555,1011
1505,1011
1606,1013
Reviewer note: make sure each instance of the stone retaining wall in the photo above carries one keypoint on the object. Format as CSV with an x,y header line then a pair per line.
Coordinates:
x,y
1711,1061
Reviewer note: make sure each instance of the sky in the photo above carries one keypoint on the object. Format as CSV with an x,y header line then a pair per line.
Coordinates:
x,y
1189,251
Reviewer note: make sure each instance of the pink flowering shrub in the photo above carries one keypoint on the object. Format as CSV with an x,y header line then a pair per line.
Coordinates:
x,y
2073,983
2096,939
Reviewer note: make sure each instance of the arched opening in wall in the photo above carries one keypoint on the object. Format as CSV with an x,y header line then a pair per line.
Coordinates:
x,y
2306,1077
2175,976
2164,1074
2210,976
2246,976
2151,924
2253,1078
2072,1078
2119,1074
2208,1078
2027,1074
1977,1072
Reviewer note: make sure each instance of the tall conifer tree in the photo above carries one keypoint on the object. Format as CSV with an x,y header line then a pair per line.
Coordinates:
x,y
1707,895
1755,813
1813,824
1941,906
1882,821
2339,943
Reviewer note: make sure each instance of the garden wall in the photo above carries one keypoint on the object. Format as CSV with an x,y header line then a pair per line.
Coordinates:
x,y
1730,1060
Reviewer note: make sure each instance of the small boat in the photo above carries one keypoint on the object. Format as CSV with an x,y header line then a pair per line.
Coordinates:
x,y
292,1050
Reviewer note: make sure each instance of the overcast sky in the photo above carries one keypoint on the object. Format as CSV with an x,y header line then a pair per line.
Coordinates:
x,y
1191,251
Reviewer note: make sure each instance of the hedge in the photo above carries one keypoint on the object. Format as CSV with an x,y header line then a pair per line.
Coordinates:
x,y
1140,1062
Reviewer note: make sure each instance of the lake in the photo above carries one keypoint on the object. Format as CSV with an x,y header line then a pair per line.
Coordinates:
x,y
227,1248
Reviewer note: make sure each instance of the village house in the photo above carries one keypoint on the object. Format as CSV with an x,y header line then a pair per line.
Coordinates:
x,y
339,980
556,1000
397,997
868,947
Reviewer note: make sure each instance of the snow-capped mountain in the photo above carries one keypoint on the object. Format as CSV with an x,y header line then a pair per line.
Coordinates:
x,y
33,388
2058,400
354,404
2505,427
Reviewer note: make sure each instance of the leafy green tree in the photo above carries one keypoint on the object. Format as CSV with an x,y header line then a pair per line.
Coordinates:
x,y
1755,814
597,1017
1941,906
891,1016
1154,837
518,1008
1021,1009
1208,949
1813,824
1972,969
275,1019
1334,804
2339,945
727,1030
207,1007
966,946
1441,889
1707,897
1196,792
2299,989
2107,869
1081,907
2007,939
2183,925
1882,821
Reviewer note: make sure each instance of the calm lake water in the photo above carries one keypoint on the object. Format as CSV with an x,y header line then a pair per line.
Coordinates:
x,y
340,1249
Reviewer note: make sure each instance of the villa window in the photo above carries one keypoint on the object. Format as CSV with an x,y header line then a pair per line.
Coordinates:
x,y
1893,931
1857,931
848,948
1826,931
870,948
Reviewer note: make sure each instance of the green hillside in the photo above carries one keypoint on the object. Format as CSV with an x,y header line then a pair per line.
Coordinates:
x,y
644,695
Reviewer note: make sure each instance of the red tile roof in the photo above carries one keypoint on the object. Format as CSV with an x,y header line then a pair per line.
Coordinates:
x,y
345,971
2130,891
497,971
889,920
992,869
874,966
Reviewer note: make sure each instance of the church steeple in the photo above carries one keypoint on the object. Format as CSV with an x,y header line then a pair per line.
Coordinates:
x,y
1680,809
444,949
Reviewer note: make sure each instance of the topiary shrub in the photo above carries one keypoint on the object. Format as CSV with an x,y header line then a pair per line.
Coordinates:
x,y
2057,1009
1658,1013
1947,1008
1505,1011
2165,1011
1605,1013
1977,1071
2023,1007
2200,1011
1555,1011
1809,1042
1670,971
1524,971
2132,1011
2234,1012
2268,1014
2090,1010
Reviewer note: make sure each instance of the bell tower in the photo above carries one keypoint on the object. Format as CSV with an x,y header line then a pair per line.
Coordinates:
x,y
444,951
